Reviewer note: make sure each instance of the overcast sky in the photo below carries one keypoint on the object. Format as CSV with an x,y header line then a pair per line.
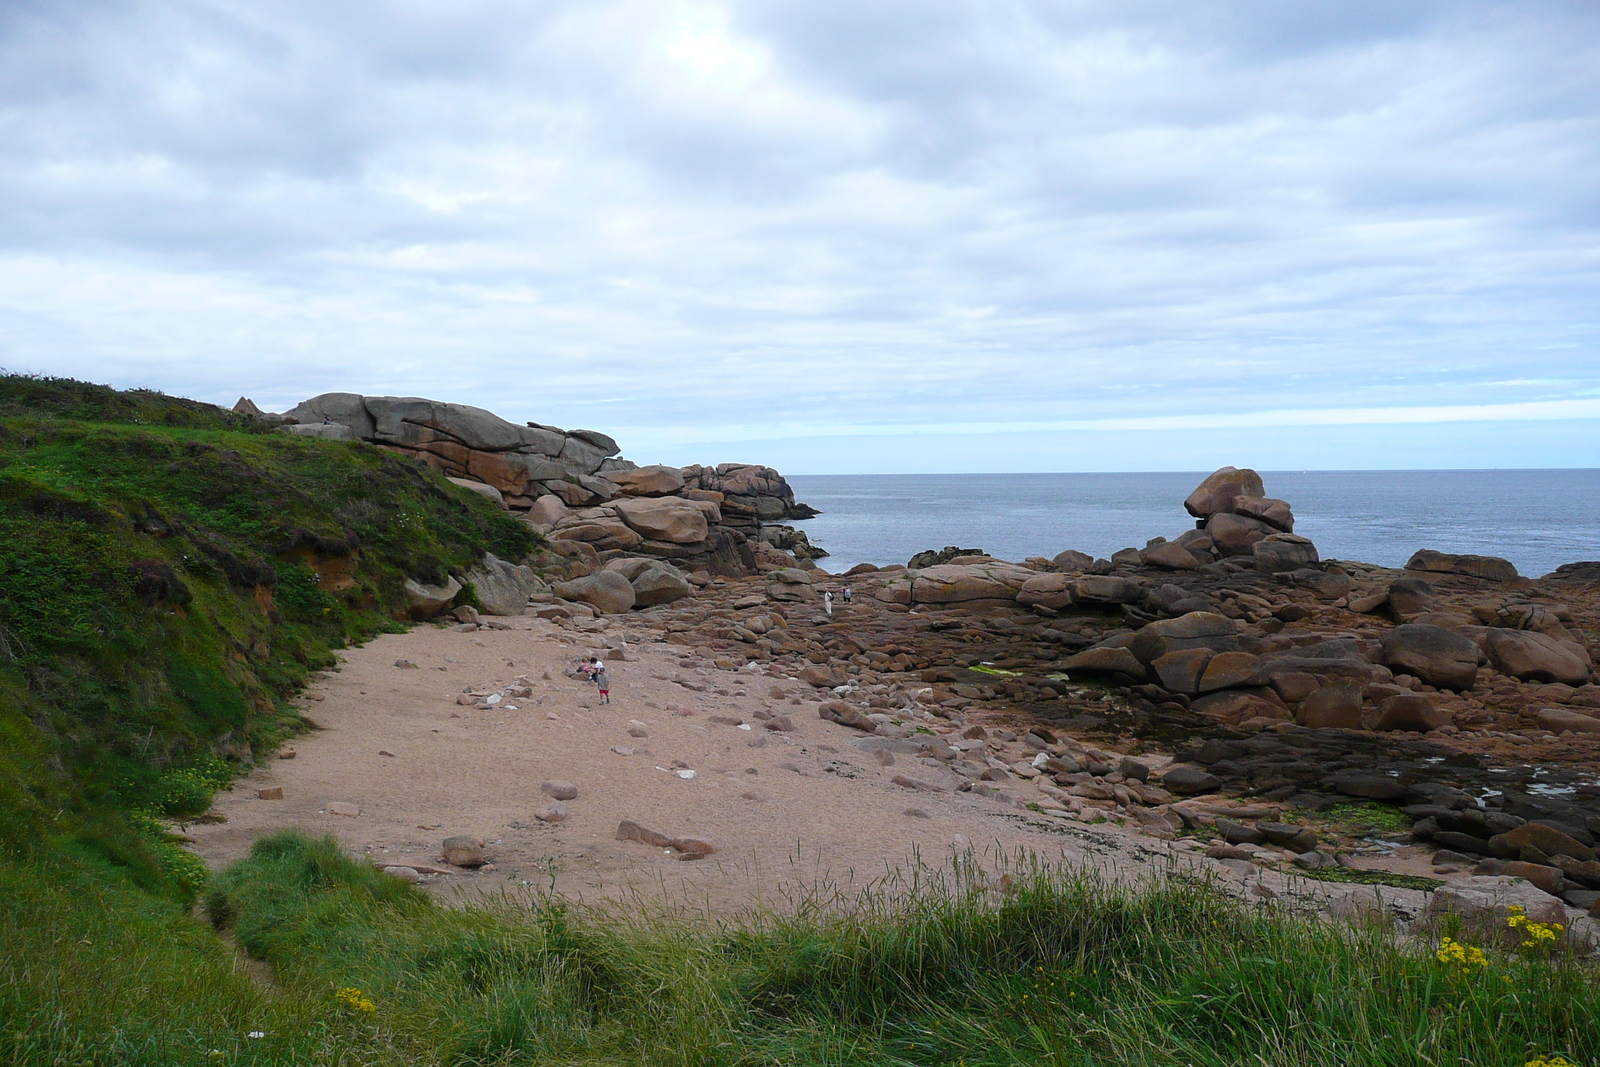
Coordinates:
x,y
888,235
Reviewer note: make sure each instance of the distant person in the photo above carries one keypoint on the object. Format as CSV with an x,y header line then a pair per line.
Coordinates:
x,y
593,667
827,603
602,683
846,594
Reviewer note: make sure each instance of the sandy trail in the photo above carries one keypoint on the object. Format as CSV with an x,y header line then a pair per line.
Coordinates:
x,y
786,811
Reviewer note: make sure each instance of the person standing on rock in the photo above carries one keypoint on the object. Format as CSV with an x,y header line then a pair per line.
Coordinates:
x,y
845,596
827,603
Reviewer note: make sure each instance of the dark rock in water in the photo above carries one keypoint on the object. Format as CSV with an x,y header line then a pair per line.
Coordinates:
x,y
1370,786
1490,568
1584,571
930,558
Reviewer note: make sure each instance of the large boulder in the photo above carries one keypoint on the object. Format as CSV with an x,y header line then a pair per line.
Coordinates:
x,y
654,480
342,409
1219,490
676,521
1410,711
1047,590
1536,657
1197,629
1440,657
1170,556
484,490
606,591
659,583
1281,553
1236,535
1105,660
426,601
1410,597
950,583
1491,568
1336,706
503,588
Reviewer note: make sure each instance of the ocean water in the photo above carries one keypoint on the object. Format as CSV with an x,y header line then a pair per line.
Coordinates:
x,y
1538,519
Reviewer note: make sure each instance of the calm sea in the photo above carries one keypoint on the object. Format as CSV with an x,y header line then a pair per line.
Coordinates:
x,y
1537,519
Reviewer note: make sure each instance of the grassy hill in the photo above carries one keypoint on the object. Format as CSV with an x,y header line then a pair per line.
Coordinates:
x,y
170,572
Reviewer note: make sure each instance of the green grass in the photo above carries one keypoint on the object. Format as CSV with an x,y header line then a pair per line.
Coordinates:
x,y
1048,970
170,575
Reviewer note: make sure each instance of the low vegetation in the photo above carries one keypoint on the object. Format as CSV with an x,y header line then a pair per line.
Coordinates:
x,y
366,969
171,573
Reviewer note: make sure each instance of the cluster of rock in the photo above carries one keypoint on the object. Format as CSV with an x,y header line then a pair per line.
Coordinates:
x,y
620,536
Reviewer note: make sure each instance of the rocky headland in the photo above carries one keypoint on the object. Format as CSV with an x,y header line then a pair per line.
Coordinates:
x,y
1221,689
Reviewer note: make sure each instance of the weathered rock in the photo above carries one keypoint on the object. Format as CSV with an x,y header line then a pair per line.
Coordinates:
x,y
426,601
1180,671
1558,719
1438,656
1227,670
1546,839
1169,556
1220,489
1105,661
1488,900
463,851
647,481
1289,836
1236,535
659,583
1275,513
1531,656
846,715
559,790
1491,568
606,591
1072,561
554,812
503,588
484,490
691,848
822,677
665,519
1410,711
949,583
1182,778
548,510
1048,590
1101,589
1197,629
1409,597
1336,706
628,830
1283,552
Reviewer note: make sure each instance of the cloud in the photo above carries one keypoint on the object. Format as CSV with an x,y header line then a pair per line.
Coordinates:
x,y
689,218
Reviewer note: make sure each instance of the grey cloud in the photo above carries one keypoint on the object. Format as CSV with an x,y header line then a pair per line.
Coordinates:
x,y
937,211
